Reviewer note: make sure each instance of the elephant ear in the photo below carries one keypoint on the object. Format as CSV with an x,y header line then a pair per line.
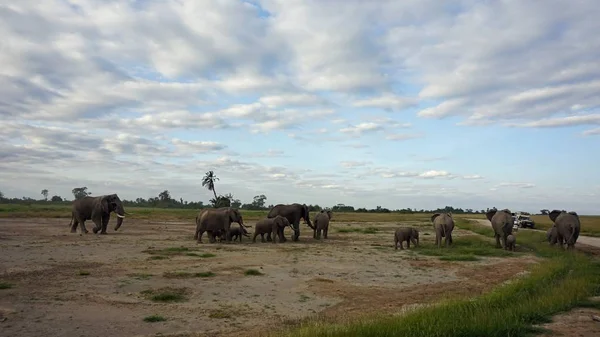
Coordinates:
x,y
574,213
104,205
329,214
434,216
554,214
490,214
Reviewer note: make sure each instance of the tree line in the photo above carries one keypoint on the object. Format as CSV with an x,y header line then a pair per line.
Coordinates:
x,y
164,199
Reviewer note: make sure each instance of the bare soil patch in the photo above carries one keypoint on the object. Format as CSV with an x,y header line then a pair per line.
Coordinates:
x,y
105,285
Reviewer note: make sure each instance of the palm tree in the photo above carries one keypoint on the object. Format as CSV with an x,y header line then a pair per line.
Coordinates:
x,y
209,182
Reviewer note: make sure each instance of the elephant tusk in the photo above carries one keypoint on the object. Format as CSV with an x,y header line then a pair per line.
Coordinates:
x,y
121,216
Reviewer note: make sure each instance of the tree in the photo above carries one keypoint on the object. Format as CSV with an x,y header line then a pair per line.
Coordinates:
x,y
164,195
544,211
45,194
209,182
56,198
80,192
259,201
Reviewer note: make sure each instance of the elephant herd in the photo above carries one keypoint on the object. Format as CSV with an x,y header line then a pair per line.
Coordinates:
x,y
565,229
216,222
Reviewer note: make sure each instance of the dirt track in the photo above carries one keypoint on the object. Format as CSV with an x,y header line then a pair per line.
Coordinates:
x,y
92,285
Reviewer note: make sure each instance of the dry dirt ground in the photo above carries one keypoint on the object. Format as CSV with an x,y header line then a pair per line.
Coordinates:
x,y
66,284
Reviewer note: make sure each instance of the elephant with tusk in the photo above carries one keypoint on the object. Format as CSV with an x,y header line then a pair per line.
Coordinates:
x,y
98,210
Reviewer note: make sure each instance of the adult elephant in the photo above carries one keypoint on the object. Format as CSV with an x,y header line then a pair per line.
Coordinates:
x,y
567,227
213,220
502,223
293,212
98,210
443,224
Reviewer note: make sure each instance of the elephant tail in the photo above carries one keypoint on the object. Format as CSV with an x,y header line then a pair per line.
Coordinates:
x,y
573,232
443,230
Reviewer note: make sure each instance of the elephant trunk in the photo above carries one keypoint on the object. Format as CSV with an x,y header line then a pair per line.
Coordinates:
x,y
120,216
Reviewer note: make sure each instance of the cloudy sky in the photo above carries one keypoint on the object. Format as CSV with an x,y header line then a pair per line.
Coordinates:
x,y
417,104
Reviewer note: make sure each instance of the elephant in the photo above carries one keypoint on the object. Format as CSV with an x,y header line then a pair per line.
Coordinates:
x,y
236,232
443,224
293,212
567,227
212,220
551,235
510,242
274,225
407,234
502,223
98,210
321,223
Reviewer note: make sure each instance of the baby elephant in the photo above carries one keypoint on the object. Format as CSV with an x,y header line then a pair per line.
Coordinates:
x,y
274,225
407,234
236,232
510,242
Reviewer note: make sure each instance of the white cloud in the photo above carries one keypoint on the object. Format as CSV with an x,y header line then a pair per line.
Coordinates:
x,y
167,89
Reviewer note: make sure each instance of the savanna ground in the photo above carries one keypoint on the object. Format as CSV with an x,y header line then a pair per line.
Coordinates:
x,y
151,279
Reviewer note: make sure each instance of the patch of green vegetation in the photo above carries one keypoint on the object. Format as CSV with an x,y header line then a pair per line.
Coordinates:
x,y
465,248
154,318
564,280
166,294
219,314
158,257
207,255
304,298
252,272
6,285
182,274
84,273
140,276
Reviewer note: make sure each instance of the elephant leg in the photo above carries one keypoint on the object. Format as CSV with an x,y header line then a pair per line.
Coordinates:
x,y
449,239
296,234
408,243
315,233
401,241
497,236
254,237
104,225
269,238
199,237
262,237
325,232
74,225
82,226
395,243
211,236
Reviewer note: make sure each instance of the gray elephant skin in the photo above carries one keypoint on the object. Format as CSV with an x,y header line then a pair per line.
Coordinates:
x,y
237,232
293,212
211,220
443,225
502,223
267,226
567,227
511,240
98,210
321,224
407,234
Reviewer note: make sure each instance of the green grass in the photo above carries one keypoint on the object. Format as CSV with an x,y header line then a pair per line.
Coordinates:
x,y
182,274
154,318
166,294
219,314
562,281
84,273
6,285
252,272
465,248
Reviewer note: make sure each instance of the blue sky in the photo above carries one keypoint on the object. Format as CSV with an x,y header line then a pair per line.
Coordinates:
x,y
393,103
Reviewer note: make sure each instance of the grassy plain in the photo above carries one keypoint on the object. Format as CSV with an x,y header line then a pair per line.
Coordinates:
x,y
156,259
